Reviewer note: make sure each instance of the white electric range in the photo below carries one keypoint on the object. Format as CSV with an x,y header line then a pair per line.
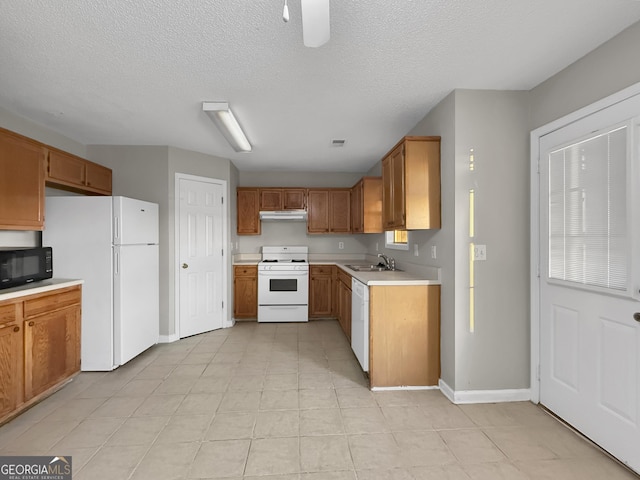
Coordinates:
x,y
283,284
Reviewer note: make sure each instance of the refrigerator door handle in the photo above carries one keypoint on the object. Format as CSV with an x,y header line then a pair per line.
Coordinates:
x,y
116,262
116,228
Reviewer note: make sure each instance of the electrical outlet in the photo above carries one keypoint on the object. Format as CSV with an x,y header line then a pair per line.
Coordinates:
x,y
479,252
416,251
341,245
376,246
433,252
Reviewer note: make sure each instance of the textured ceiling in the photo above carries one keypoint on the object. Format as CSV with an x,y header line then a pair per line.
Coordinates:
x,y
135,72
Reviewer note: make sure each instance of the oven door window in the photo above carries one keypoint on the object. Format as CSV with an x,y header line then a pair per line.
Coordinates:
x,y
283,284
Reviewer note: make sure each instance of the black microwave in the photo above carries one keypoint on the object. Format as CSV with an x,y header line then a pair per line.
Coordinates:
x,y
19,266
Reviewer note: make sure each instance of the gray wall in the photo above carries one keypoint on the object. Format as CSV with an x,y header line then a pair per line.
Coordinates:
x,y
141,172
495,356
148,173
608,69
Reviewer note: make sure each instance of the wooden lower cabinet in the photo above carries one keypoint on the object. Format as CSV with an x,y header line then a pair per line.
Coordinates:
x,y
344,302
404,335
39,346
321,291
11,360
245,291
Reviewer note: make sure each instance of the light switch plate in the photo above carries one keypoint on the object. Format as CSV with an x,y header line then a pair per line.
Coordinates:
x,y
433,252
480,252
416,250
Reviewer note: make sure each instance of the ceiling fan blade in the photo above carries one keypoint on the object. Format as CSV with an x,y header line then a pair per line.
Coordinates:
x,y
315,22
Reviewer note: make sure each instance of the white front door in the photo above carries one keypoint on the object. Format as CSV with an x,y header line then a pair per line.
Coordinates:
x,y
201,257
589,278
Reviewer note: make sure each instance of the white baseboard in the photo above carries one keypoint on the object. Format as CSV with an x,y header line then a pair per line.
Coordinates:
x,y
169,338
484,396
391,389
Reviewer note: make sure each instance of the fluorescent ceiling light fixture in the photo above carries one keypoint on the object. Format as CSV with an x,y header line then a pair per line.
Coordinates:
x,y
226,122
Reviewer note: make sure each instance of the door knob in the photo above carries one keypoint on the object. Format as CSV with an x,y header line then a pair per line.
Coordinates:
x,y
636,316
184,265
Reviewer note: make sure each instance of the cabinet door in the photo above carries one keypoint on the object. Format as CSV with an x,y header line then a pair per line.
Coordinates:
x,y
22,164
245,292
51,349
320,301
357,207
270,199
11,366
98,177
397,161
318,211
344,309
387,193
248,207
66,168
340,215
294,198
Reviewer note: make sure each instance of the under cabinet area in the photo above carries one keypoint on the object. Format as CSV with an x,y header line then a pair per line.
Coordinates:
x,y
40,341
245,291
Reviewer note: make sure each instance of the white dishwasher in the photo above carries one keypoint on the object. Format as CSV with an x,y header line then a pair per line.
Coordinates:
x,y
360,322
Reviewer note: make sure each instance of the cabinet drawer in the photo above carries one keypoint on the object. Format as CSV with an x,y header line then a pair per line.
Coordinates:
x,y
344,278
320,269
9,313
52,301
245,270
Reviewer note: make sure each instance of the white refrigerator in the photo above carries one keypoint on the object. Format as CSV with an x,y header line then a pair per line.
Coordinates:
x,y
112,244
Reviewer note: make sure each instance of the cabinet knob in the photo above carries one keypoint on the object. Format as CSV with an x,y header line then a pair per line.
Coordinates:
x,y
16,329
31,323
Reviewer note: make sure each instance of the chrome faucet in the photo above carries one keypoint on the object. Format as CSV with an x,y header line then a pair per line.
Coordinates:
x,y
389,262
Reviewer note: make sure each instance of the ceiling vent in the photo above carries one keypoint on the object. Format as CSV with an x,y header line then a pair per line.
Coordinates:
x,y
337,143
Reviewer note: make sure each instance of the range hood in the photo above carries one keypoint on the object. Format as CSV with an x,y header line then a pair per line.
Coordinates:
x,y
289,215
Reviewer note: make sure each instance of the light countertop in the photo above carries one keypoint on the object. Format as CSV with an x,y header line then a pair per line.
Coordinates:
x,y
426,276
38,287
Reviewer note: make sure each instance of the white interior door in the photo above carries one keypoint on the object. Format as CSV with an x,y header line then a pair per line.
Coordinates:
x,y
589,288
201,242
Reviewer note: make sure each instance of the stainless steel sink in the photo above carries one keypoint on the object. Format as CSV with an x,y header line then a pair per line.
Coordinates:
x,y
369,268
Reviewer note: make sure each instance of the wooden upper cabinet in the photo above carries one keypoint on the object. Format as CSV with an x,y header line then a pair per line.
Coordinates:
x,y
411,185
294,198
318,211
340,210
76,174
22,167
248,210
366,206
98,177
275,199
329,210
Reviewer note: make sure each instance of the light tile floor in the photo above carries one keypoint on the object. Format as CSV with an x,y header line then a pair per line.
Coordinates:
x,y
287,402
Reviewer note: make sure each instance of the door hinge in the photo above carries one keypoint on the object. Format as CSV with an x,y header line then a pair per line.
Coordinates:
x,y
223,305
222,251
538,372
222,200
